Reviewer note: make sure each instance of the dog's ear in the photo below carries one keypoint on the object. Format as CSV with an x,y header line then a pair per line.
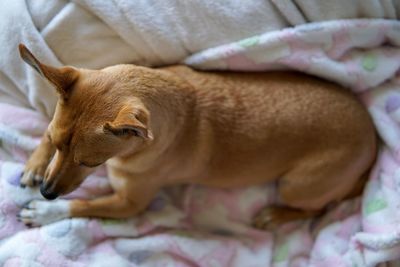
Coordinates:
x,y
132,120
62,78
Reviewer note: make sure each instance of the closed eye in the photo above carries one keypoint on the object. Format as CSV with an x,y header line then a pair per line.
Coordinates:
x,y
89,165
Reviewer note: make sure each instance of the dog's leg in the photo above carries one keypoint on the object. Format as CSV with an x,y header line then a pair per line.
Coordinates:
x,y
128,201
306,190
271,217
132,195
36,166
41,212
113,206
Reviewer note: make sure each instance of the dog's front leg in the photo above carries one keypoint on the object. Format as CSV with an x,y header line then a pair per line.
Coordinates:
x,y
126,202
107,207
131,196
38,162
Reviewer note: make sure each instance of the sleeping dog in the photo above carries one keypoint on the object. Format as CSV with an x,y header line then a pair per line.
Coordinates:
x,y
176,125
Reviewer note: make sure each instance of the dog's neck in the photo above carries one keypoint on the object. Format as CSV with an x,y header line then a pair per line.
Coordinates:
x,y
170,101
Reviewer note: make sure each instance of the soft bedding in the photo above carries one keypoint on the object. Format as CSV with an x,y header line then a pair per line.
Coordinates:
x,y
193,225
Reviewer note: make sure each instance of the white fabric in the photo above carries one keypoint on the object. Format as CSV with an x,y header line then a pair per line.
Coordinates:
x,y
97,33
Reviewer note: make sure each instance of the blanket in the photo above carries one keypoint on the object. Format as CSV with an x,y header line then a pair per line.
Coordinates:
x,y
97,33
198,226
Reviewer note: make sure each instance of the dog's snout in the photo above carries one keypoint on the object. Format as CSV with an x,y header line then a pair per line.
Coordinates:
x,y
46,193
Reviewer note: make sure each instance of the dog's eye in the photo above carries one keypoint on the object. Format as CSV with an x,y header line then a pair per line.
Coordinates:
x,y
126,131
82,164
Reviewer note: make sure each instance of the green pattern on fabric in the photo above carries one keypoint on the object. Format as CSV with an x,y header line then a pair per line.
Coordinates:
x,y
281,253
375,205
112,221
369,62
249,41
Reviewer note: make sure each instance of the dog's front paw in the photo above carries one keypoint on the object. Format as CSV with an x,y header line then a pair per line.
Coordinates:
x,y
41,212
33,173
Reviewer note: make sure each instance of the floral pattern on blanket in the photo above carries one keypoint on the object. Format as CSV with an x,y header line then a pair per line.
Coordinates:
x,y
198,226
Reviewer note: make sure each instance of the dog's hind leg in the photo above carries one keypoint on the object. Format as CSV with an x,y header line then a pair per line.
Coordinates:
x,y
313,184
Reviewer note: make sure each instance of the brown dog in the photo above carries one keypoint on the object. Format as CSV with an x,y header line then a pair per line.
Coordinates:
x,y
157,127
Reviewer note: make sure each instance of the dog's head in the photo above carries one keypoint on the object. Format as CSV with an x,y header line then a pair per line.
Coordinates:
x,y
96,118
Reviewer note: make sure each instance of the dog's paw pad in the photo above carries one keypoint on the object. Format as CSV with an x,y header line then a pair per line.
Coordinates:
x,y
40,212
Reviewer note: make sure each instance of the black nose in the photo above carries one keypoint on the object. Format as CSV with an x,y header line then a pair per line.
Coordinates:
x,y
46,194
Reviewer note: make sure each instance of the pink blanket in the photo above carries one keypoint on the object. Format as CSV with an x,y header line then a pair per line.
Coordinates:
x,y
197,226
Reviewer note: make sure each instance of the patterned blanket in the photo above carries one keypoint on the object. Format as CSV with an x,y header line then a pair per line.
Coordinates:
x,y
198,226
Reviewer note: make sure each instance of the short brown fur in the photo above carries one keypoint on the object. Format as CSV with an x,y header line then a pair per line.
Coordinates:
x,y
157,127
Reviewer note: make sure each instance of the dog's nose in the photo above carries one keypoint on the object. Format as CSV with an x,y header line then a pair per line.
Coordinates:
x,y
46,193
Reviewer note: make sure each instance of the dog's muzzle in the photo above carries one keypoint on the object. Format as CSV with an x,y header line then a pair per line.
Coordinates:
x,y
46,193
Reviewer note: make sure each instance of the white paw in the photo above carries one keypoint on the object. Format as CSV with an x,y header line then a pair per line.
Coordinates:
x,y
41,212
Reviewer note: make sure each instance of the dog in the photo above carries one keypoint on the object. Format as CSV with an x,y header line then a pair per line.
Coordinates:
x,y
155,127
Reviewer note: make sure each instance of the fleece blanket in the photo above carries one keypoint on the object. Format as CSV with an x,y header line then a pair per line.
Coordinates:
x,y
198,226
98,33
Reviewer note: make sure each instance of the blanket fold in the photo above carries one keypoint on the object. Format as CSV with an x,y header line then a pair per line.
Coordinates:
x,y
96,34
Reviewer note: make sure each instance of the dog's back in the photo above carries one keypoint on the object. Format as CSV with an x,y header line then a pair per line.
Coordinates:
x,y
263,124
